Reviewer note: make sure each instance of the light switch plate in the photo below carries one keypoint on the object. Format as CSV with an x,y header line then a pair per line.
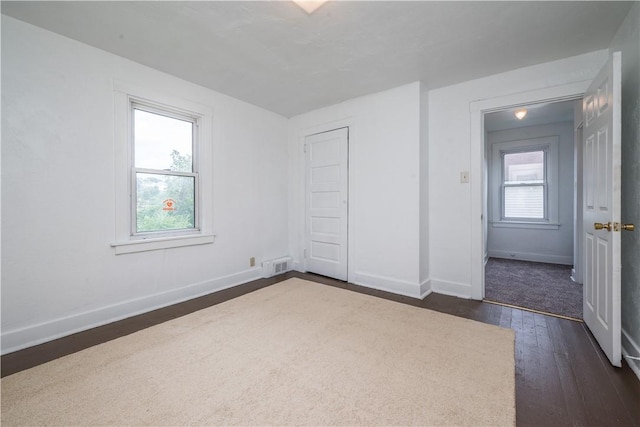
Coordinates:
x,y
464,177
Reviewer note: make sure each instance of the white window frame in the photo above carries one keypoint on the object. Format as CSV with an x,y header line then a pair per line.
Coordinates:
x,y
497,186
544,184
127,239
163,110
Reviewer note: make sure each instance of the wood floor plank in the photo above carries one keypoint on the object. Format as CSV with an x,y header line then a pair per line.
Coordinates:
x,y
572,396
627,391
525,407
538,373
505,317
590,371
556,335
494,314
547,331
545,376
542,333
478,311
628,387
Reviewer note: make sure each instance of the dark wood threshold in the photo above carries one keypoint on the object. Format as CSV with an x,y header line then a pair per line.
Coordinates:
x,y
562,376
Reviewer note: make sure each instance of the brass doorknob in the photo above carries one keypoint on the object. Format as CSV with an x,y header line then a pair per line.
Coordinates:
x,y
600,226
628,227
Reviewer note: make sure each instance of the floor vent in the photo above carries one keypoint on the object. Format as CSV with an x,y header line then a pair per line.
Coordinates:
x,y
277,266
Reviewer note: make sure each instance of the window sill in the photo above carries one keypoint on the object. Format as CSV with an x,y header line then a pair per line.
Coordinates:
x,y
132,246
526,224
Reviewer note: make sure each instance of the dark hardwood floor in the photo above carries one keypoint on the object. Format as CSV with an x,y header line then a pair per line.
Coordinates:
x,y
562,377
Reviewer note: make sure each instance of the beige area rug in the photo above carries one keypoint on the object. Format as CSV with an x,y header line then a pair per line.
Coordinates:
x,y
295,353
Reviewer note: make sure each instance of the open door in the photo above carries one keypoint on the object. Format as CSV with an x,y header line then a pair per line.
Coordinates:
x,y
601,207
327,186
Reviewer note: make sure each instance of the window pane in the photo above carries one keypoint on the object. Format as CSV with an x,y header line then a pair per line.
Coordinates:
x,y
162,142
527,167
165,202
524,202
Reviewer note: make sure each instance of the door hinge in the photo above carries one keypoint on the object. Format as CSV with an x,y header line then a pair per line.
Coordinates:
x,y
305,148
305,253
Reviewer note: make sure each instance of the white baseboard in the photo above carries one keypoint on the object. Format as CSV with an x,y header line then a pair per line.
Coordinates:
x,y
631,348
31,335
534,257
389,284
425,288
454,289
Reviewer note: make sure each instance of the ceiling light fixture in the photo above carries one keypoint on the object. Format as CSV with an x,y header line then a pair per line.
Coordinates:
x,y
310,6
520,113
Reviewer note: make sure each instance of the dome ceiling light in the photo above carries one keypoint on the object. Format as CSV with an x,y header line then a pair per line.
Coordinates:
x,y
310,6
520,113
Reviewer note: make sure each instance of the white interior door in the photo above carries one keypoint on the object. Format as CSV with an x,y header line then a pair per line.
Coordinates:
x,y
601,208
327,184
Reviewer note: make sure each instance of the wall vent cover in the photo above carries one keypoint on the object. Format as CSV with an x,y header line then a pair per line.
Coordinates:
x,y
276,266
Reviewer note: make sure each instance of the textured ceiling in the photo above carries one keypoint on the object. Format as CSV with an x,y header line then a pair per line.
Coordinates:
x,y
272,54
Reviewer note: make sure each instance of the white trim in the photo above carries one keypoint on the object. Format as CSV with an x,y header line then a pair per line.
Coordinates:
x,y
556,93
477,110
631,348
29,336
517,224
124,93
132,246
389,284
425,288
454,289
533,257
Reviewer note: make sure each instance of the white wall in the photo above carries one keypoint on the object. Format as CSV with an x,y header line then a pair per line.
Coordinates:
x,y
384,186
59,273
452,247
627,40
534,244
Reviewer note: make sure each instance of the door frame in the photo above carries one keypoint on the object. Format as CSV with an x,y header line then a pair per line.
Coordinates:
x,y
477,110
349,123
577,273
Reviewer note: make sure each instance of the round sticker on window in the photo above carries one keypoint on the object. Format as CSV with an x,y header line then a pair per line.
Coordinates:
x,y
169,205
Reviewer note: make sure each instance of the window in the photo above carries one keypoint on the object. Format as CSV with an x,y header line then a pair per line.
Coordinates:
x,y
163,171
165,175
523,183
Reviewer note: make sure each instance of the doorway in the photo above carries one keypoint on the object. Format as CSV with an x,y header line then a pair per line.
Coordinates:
x,y
602,98
530,198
